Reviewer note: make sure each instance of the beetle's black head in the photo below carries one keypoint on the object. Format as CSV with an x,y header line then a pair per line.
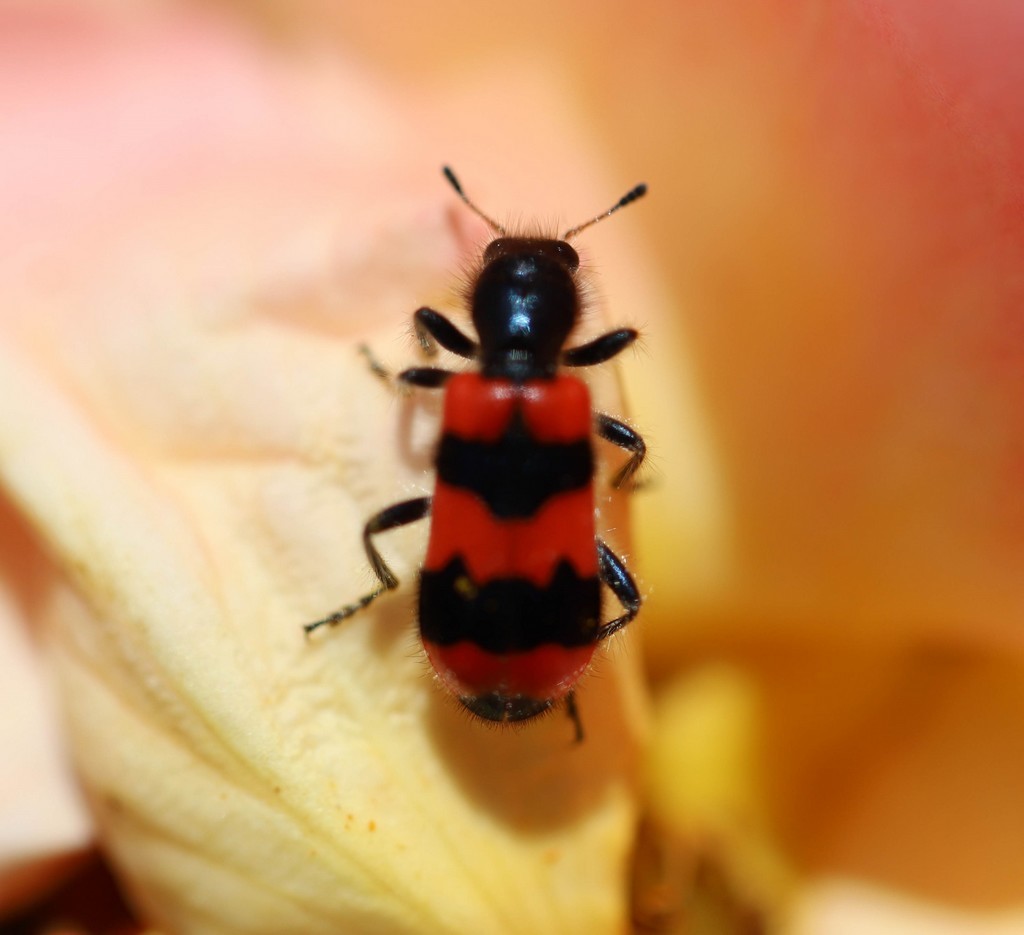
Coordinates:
x,y
525,301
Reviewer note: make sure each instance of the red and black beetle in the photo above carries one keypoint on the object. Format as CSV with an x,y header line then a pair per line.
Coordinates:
x,y
510,590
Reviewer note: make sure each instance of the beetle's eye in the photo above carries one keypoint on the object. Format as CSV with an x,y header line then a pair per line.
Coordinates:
x,y
495,249
568,255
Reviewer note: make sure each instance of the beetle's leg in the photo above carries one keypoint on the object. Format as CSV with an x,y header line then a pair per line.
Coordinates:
x,y
574,715
376,367
613,573
600,349
618,433
432,326
429,378
398,514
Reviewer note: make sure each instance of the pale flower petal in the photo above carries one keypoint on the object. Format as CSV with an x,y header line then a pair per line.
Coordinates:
x,y
196,443
846,907
43,821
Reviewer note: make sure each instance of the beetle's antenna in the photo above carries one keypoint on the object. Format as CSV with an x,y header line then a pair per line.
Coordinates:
x,y
494,225
636,192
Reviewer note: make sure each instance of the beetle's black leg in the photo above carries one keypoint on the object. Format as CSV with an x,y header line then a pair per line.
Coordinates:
x,y
614,574
430,378
574,715
398,514
618,433
432,326
378,369
600,349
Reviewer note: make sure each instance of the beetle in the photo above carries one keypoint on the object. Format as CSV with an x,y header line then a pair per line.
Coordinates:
x,y
510,588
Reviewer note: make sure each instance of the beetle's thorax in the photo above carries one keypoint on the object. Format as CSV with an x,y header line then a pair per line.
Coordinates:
x,y
525,302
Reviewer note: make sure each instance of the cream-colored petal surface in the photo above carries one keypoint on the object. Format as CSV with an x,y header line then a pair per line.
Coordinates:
x,y
196,443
